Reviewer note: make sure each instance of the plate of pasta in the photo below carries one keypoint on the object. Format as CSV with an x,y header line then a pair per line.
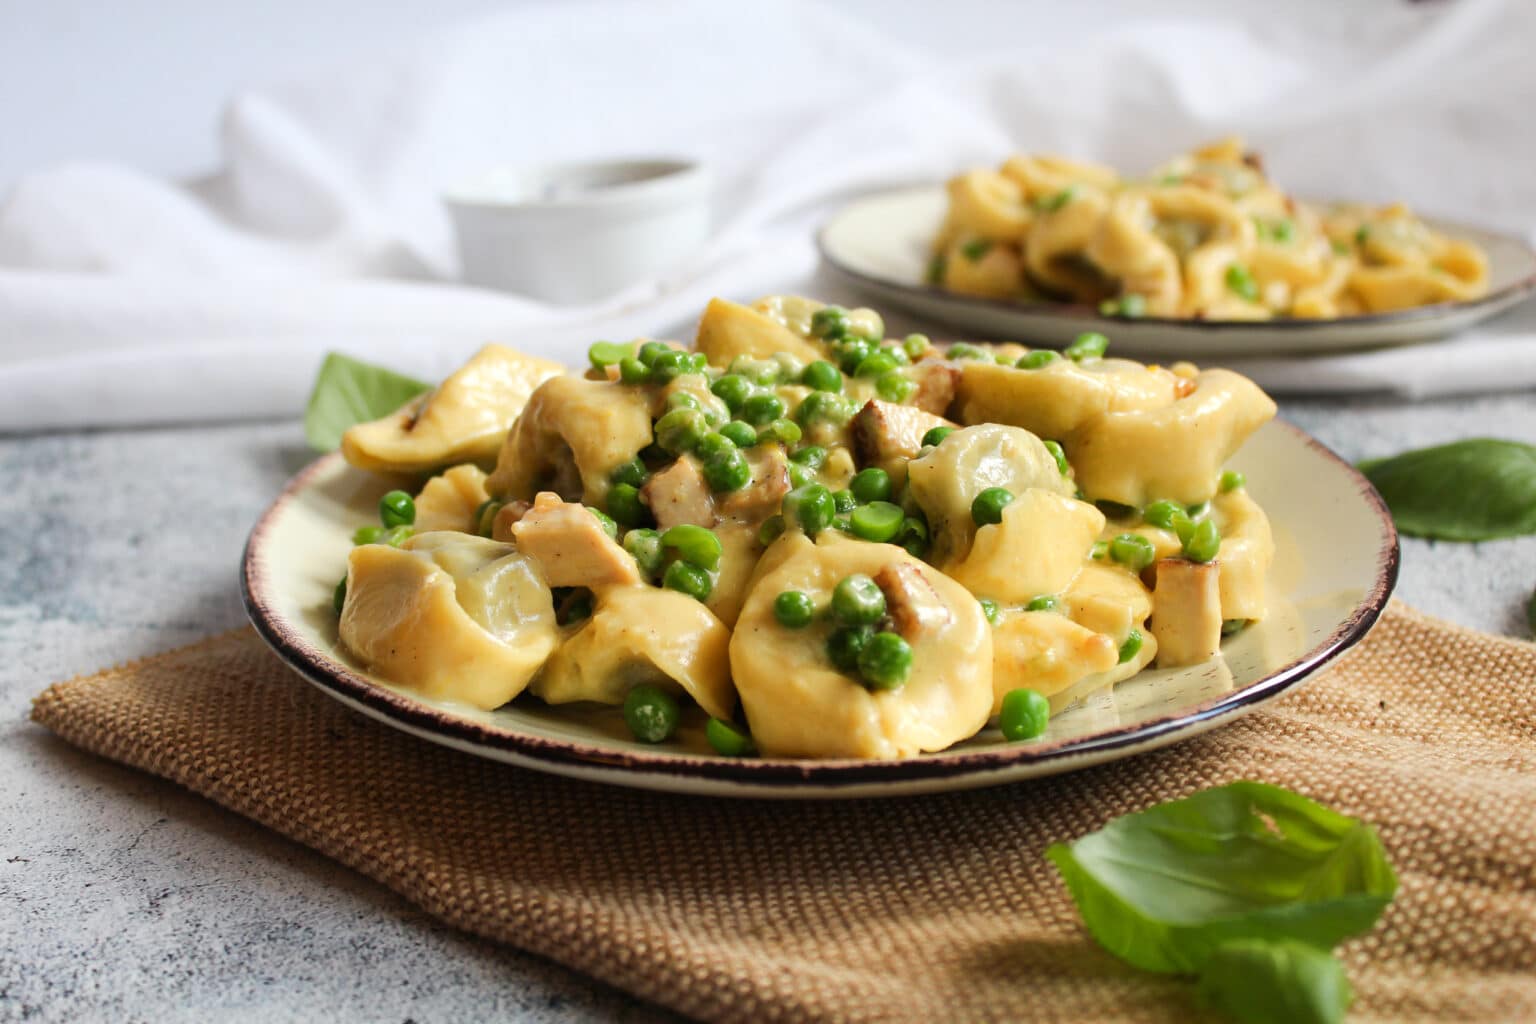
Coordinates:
x,y
798,558
1202,256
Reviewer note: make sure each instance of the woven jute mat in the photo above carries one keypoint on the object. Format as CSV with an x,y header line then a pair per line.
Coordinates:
x,y
925,909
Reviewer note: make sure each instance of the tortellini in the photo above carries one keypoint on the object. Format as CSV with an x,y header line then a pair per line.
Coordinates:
x,y
455,617
1206,236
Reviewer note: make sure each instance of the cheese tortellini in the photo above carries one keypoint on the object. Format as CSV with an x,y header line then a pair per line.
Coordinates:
x,y
1206,236
819,541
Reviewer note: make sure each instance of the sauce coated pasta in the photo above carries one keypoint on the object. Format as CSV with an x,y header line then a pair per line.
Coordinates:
x,y
1206,236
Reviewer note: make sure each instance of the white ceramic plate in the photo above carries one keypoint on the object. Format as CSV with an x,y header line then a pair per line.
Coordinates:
x,y
880,244
1330,584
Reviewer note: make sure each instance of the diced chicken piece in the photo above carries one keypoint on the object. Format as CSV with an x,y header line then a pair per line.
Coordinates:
x,y
913,604
570,546
765,494
1186,612
678,494
886,434
937,381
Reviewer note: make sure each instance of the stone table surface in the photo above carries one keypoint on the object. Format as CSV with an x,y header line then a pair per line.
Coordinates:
x,y
124,898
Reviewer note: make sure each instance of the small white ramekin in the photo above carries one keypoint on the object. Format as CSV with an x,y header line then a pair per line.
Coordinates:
x,y
571,233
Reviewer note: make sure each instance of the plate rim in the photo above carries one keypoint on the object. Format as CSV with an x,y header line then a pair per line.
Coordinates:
x,y
767,775
1507,295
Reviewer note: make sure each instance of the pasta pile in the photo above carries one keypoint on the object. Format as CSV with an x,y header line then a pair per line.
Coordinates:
x,y
1207,236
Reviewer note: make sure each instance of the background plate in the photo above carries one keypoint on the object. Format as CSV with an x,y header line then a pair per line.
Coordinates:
x,y
880,242
1335,567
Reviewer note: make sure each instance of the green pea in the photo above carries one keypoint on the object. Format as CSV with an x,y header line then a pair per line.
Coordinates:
x,y
965,350
652,351
936,435
858,600
574,608
990,609
1100,550
632,472
485,516
1057,453
1133,551
829,322
646,547
844,501
339,596
789,367
845,645
1088,345
604,354
895,386
610,527
783,431
727,740
823,405
1025,715
1164,514
763,372
913,536
367,535
679,430
714,445
732,389
794,609
851,352
740,434
885,661
397,509
915,345
625,506
811,506
1231,480
987,508
878,521
1204,542
822,376
1038,358
876,363
872,484
799,476
841,523
633,371
694,545
671,364
651,713
1230,627
771,530
1240,282
1043,603
396,535
727,471
762,408
1185,528
1115,509
686,578
1133,306
812,456
1131,647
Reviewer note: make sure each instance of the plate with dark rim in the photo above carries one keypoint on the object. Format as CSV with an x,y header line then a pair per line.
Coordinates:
x,y
879,243
1335,567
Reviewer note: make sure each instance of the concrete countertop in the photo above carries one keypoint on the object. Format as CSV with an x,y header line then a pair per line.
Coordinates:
x,y
125,898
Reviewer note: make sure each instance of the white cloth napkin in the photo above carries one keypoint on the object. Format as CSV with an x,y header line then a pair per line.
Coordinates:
x,y
125,299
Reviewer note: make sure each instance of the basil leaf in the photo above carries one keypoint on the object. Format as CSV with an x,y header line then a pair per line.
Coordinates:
x,y
349,391
1164,888
1480,489
1276,983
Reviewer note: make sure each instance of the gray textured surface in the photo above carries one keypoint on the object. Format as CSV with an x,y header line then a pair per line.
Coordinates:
x,y
124,898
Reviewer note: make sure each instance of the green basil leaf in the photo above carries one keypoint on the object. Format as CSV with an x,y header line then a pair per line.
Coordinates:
x,y
1164,888
1276,983
1480,489
349,391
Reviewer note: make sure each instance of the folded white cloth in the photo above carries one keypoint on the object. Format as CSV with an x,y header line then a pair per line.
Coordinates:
x,y
126,299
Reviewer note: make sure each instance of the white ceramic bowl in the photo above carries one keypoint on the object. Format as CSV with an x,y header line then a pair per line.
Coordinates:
x,y
577,232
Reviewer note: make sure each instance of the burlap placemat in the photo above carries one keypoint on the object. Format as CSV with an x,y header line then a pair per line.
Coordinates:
x,y
926,909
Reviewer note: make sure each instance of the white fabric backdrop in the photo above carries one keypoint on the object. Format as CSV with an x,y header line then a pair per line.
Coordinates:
x,y
128,299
